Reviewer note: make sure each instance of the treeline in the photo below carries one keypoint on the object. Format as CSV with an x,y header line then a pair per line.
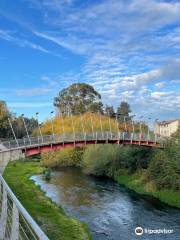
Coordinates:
x,y
17,123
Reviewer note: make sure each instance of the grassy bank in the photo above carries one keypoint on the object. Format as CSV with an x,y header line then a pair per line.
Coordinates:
x,y
136,182
52,219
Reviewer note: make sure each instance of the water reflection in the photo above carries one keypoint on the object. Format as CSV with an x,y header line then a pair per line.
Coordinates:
x,y
111,211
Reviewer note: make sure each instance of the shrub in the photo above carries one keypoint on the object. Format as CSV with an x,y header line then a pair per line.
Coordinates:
x,y
164,170
62,158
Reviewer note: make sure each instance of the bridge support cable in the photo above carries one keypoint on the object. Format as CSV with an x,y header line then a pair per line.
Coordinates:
x,y
22,116
100,120
62,124
14,135
110,127
92,126
39,128
15,221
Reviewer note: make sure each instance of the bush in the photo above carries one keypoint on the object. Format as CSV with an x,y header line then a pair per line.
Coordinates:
x,y
165,170
108,159
61,158
100,159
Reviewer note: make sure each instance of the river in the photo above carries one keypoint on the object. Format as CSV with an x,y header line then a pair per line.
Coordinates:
x,y
111,211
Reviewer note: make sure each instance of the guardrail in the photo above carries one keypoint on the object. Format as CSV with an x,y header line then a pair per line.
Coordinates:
x,y
15,222
70,137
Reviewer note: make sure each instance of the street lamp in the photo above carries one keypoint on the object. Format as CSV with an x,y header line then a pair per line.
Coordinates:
x,y
110,128
148,129
100,118
125,123
92,127
140,127
39,126
22,116
52,126
132,122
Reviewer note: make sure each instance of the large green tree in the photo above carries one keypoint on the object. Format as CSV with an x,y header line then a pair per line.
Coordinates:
x,y
4,125
124,110
78,98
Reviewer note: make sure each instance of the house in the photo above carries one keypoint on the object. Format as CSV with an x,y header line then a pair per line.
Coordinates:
x,y
167,128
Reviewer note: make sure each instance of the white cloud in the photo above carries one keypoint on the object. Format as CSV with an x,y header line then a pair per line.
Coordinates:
x,y
29,104
33,92
160,85
8,36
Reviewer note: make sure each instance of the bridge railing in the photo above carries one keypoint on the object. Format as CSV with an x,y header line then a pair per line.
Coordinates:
x,y
70,137
15,222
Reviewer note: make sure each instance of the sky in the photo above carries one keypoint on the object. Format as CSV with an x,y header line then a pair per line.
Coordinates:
x,y
129,50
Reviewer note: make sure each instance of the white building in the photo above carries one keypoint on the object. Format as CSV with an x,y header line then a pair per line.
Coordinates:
x,y
167,128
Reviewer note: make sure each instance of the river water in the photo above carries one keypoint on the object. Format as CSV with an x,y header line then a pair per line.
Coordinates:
x,y
111,211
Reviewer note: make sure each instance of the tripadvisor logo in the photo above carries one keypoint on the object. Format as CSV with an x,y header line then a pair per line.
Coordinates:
x,y
138,231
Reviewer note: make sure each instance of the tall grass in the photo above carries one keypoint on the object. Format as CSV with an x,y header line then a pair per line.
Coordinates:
x,y
90,121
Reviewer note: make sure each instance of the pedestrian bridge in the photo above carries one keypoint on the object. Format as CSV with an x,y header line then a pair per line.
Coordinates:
x,y
15,222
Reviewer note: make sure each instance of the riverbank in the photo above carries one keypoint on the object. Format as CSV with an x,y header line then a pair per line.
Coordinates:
x,y
51,218
136,183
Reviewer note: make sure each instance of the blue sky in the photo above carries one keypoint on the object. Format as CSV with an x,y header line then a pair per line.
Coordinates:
x,y
127,49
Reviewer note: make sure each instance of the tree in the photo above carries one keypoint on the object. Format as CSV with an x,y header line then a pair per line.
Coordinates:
x,y
123,111
19,128
109,111
4,125
78,98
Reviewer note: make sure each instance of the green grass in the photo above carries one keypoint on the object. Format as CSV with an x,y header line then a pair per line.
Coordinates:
x,y
51,218
135,182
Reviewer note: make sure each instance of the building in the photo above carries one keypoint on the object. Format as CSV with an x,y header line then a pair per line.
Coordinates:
x,y
167,128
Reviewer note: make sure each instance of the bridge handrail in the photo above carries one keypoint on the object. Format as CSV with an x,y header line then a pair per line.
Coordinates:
x,y
79,136
15,217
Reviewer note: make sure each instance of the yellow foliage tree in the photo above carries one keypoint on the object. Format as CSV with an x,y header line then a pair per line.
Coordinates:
x,y
88,121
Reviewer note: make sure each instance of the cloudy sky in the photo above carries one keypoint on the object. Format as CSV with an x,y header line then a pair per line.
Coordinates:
x,y
127,49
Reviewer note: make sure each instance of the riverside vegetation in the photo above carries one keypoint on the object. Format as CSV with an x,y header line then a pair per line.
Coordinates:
x,y
52,218
149,171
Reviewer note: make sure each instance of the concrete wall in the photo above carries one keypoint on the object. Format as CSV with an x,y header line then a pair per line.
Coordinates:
x,y
7,156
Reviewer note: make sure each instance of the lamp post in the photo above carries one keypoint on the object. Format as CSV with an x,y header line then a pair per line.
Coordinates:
x,y
52,125
132,122
100,118
156,121
92,127
22,116
148,129
40,132
140,127
110,128
62,121
13,131
72,122
125,123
